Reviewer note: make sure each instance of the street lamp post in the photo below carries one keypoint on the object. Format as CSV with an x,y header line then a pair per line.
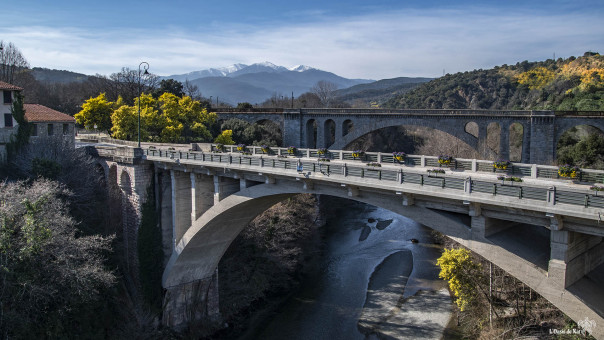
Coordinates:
x,y
146,67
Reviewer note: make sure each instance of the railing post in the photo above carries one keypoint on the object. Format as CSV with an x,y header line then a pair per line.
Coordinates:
x,y
379,157
230,159
534,171
551,196
399,176
261,162
422,163
307,153
345,170
341,155
467,185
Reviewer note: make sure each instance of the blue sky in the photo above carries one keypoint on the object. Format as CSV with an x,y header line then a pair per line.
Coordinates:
x,y
354,39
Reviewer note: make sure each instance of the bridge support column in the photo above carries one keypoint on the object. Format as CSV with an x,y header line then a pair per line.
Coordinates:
x,y
482,140
504,141
526,144
181,204
542,148
165,204
202,195
191,303
292,129
573,255
484,227
224,186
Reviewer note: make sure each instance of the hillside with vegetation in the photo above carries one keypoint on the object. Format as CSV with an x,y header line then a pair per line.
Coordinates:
x,y
572,84
375,93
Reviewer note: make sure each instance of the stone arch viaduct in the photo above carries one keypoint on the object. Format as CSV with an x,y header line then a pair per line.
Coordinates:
x,y
545,232
336,128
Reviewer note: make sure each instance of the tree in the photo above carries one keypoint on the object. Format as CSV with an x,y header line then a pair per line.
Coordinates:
x,y
49,275
192,90
245,105
167,119
53,158
462,273
225,138
11,62
125,124
169,86
325,90
308,99
127,81
96,111
24,129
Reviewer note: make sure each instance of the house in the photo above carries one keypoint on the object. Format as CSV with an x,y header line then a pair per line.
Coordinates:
x,y
47,122
8,125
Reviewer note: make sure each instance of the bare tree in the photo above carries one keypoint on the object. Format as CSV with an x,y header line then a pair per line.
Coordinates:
x,y
50,273
325,90
11,62
192,90
308,99
127,83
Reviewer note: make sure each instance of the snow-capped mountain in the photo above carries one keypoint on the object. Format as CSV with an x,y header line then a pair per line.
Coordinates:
x,y
301,68
237,70
257,82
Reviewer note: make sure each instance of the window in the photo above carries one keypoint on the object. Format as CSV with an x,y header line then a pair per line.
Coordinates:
x,y
65,129
50,130
8,98
34,130
8,120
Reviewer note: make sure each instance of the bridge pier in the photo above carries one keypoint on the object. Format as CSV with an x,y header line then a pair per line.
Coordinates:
x,y
542,144
573,255
202,194
190,303
224,187
504,141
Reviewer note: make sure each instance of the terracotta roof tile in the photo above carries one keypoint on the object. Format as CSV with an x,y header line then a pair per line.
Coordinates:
x,y
11,87
40,113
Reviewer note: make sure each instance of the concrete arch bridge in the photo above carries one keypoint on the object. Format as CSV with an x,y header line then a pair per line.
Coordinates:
x,y
545,231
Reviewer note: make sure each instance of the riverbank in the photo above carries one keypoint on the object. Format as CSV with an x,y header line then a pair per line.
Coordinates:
x,y
388,315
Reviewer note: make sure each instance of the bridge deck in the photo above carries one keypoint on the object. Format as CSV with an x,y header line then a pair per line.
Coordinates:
x,y
540,194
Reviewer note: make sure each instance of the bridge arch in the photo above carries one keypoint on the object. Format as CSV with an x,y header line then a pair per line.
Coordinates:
x,y
457,131
471,128
217,228
197,254
567,127
311,133
347,127
329,133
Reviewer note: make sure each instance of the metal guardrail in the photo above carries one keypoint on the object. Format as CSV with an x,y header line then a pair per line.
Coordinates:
x,y
393,175
459,164
349,111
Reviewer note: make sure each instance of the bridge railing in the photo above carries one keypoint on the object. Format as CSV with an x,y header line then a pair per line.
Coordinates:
x,y
458,164
395,174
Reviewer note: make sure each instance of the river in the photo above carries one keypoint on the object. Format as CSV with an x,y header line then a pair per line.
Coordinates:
x,y
373,281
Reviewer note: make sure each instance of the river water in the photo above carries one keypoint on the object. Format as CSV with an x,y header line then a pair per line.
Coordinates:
x,y
373,281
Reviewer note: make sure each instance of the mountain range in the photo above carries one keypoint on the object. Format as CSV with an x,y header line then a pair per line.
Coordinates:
x,y
257,82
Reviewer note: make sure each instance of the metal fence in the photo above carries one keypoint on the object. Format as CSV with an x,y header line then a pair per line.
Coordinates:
x,y
392,175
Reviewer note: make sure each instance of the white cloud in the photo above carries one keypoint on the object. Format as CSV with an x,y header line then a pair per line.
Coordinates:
x,y
401,43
